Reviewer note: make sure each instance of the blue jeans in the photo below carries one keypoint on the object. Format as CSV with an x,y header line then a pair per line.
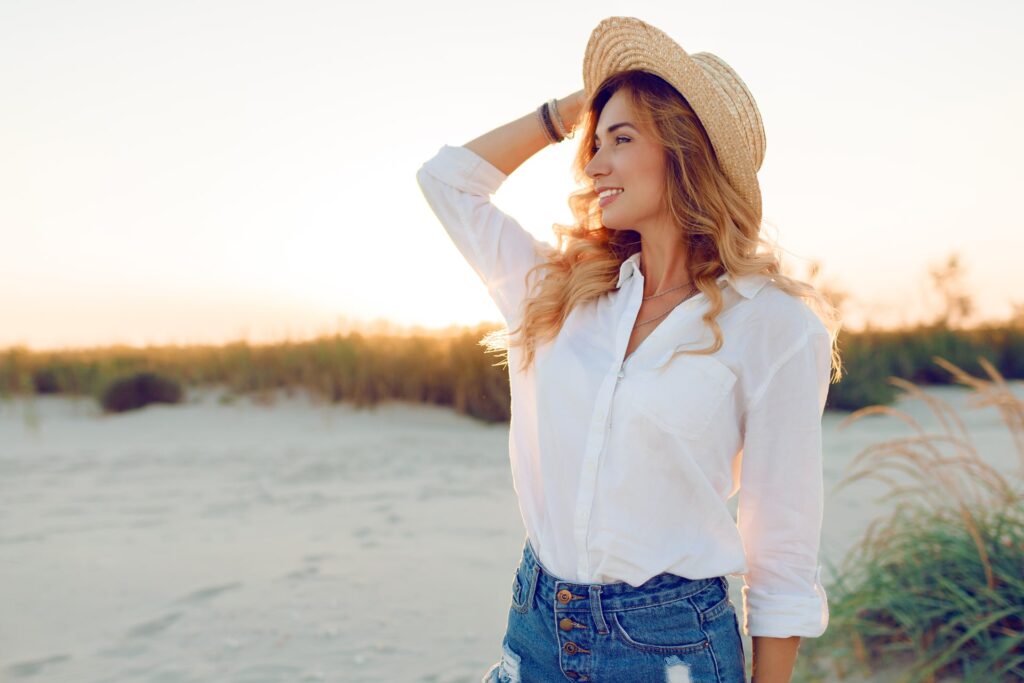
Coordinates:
x,y
670,629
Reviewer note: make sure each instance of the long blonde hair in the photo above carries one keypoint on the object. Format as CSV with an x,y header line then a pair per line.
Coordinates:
x,y
719,230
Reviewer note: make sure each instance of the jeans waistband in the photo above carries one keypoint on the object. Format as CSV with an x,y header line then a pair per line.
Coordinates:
x,y
665,587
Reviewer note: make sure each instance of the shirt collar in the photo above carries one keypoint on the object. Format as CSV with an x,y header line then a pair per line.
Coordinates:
x,y
747,285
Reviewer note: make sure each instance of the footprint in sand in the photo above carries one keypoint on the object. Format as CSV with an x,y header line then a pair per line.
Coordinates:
x,y
34,666
303,572
154,627
208,593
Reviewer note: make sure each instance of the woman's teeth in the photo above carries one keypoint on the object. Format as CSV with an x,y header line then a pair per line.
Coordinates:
x,y
608,197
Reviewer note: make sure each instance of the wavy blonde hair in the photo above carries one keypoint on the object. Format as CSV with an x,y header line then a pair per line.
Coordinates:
x,y
719,230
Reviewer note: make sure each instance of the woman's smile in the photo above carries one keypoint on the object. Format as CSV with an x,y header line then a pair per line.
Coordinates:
x,y
605,201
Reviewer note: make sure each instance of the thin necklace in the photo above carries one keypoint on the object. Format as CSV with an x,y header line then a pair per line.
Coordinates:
x,y
669,310
655,296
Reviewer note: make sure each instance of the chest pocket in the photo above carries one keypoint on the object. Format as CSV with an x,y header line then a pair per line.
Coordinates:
x,y
682,395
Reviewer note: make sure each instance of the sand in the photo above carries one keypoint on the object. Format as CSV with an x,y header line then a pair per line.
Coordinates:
x,y
293,542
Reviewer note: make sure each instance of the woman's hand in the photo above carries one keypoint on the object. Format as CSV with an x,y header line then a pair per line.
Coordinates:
x,y
569,108
508,146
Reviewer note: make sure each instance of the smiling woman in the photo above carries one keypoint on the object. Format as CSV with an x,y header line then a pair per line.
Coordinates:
x,y
659,363
673,204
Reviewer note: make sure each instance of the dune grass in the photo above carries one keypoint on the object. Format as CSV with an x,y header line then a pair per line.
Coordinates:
x,y
362,370
934,590
451,368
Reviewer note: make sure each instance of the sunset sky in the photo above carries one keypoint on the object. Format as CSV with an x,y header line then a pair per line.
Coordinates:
x,y
179,172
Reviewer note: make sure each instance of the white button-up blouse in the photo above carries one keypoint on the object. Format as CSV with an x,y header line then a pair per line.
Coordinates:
x,y
622,467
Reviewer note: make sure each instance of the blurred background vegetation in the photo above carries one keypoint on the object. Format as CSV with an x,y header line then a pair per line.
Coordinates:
x,y
452,368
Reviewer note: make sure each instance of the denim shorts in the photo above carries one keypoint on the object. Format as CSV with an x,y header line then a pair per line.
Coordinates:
x,y
670,629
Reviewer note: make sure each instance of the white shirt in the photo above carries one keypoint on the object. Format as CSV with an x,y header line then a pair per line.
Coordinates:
x,y
622,470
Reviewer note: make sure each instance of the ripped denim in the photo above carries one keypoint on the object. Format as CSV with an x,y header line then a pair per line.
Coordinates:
x,y
670,629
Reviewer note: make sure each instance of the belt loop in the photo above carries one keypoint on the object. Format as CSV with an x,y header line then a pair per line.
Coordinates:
x,y
595,609
534,575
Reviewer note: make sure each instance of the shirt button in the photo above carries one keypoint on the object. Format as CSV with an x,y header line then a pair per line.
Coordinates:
x,y
622,373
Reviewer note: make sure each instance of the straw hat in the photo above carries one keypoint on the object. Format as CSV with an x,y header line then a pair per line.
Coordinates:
x,y
721,100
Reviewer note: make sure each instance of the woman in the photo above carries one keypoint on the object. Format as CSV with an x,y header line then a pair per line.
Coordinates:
x,y
659,364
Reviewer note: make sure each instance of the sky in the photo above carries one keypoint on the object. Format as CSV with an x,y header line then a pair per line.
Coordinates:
x,y
203,172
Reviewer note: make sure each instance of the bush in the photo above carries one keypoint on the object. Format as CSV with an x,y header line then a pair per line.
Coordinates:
x,y
45,381
936,586
139,390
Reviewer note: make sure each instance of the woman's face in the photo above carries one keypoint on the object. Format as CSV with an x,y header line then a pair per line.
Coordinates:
x,y
630,160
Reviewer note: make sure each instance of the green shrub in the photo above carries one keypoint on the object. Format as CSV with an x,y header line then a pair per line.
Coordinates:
x,y
937,587
138,390
45,381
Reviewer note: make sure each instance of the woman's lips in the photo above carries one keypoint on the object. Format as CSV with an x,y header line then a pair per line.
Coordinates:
x,y
605,201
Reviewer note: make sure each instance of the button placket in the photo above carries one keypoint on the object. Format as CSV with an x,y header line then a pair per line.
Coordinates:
x,y
599,426
595,444
566,625
611,402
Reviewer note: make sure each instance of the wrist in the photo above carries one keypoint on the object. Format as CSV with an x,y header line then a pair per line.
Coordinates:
x,y
569,110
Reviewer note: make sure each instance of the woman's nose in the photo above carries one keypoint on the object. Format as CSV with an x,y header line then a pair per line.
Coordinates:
x,y
594,168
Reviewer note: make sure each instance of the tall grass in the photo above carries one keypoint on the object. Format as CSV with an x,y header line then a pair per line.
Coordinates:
x,y
935,590
872,356
451,369
363,370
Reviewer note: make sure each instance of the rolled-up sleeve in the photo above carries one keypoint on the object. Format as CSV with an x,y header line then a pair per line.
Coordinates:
x,y
780,508
457,184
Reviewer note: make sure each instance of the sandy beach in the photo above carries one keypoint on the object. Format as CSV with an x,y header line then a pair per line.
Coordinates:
x,y
293,542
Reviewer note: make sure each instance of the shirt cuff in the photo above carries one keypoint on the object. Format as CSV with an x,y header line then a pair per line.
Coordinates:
x,y
785,615
466,170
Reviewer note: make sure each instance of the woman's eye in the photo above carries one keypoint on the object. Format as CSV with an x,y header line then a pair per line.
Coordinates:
x,y
593,150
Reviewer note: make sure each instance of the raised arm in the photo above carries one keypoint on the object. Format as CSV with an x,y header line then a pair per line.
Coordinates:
x,y
508,146
458,183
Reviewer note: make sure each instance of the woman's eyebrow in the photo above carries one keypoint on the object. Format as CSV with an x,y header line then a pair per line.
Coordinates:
x,y
614,126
